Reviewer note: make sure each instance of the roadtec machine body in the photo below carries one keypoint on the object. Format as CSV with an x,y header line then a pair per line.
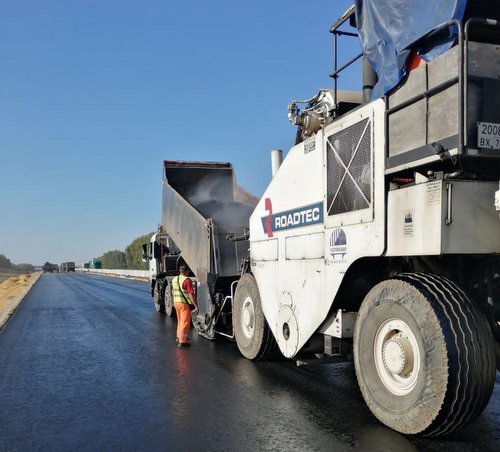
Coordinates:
x,y
380,232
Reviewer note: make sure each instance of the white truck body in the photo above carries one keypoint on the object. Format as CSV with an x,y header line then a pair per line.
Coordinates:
x,y
377,239
300,264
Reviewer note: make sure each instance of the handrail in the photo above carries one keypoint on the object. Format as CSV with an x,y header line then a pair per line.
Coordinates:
x,y
335,73
334,29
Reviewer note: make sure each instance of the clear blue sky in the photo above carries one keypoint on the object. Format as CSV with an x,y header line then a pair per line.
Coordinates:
x,y
95,94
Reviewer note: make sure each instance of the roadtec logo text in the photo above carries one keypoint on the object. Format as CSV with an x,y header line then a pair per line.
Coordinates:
x,y
295,218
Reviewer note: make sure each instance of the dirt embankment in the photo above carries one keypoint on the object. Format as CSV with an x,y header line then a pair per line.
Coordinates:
x,y
12,291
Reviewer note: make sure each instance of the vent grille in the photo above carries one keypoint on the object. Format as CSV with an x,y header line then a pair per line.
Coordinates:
x,y
349,166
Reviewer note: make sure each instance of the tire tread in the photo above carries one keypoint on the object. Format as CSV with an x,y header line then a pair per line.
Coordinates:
x,y
158,299
267,349
471,383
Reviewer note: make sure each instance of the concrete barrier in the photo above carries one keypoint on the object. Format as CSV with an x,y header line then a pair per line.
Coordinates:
x,y
140,274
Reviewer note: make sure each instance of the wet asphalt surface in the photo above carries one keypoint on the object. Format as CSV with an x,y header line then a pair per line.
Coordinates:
x,y
86,363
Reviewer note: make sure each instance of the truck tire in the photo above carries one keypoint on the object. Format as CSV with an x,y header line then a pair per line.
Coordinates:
x,y
168,302
252,333
157,298
497,350
424,355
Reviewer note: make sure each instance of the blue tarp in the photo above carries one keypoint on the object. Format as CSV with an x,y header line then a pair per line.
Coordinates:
x,y
389,28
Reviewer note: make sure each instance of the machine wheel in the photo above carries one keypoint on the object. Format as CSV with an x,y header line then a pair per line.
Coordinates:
x,y
497,351
253,335
157,298
168,301
424,355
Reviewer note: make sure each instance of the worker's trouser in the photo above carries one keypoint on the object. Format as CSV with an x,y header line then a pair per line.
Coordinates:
x,y
183,321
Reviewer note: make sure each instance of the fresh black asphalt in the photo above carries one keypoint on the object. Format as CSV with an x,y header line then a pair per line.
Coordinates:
x,y
87,364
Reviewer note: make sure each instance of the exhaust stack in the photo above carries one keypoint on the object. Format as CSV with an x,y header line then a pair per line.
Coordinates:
x,y
276,160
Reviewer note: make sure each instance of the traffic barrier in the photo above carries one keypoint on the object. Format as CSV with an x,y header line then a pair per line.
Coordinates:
x,y
143,274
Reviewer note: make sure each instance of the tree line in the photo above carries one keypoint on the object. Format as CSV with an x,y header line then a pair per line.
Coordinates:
x,y
131,258
7,266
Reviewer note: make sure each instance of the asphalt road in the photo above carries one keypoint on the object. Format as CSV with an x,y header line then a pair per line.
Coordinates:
x,y
86,363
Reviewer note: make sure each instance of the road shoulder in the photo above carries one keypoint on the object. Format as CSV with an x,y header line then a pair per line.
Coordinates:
x,y
12,292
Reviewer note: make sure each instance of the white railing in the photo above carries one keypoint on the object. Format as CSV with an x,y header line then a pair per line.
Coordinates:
x,y
123,273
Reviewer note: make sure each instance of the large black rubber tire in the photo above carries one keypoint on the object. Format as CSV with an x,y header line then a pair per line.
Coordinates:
x,y
157,298
168,301
456,355
260,345
497,350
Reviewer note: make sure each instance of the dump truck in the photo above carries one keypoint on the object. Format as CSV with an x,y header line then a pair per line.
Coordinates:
x,y
203,207
378,236
95,264
50,268
67,267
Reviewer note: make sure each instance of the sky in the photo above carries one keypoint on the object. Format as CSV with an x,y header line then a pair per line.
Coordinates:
x,y
95,94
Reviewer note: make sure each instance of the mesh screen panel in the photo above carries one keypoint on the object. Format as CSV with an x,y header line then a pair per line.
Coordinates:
x,y
349,169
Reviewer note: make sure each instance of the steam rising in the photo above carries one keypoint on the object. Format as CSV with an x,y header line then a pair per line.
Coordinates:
x,y
212,196
213,187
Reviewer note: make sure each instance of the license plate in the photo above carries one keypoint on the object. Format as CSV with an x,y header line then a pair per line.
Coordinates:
x,y
488,135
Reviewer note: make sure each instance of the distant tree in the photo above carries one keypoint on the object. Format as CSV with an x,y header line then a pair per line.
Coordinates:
x,y
5,263
115,259
134,252
24,268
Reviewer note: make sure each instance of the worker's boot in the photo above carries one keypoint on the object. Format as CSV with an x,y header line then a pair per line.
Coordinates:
x,y
184,344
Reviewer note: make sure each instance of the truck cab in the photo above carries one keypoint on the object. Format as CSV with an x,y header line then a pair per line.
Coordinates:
x,y
164,259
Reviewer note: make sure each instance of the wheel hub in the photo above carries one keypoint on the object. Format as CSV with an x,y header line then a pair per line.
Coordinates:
x,y
248,317
397,356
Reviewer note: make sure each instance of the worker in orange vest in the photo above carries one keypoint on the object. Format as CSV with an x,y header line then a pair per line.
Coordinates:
x,y
184,303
